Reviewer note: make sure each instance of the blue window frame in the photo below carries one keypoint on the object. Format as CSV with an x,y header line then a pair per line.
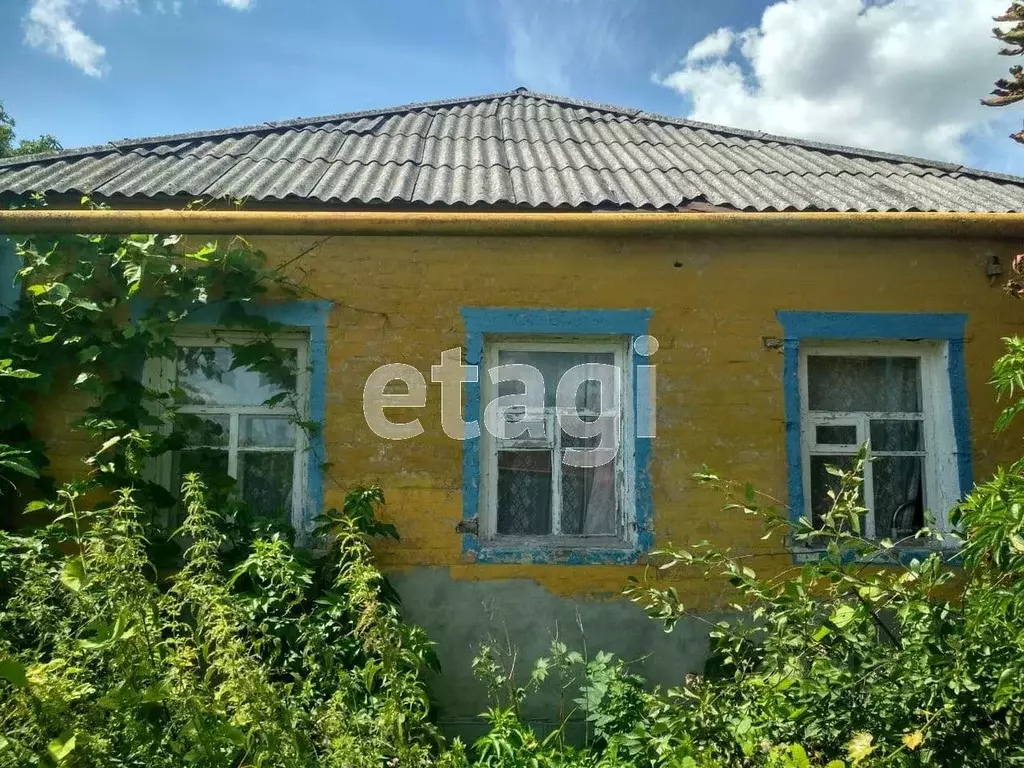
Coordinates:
x,y
943,332
533,324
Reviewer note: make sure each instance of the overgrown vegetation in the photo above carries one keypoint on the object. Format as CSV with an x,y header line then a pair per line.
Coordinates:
x,y
282,660
228,644
223,644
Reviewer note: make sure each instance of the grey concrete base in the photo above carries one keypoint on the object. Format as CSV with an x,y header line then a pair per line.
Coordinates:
x,y
459,615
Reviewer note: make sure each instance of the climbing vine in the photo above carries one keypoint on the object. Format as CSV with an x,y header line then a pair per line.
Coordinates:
x,y
94,308
230,644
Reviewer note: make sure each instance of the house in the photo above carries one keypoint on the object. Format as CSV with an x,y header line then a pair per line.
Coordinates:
x,y
758,304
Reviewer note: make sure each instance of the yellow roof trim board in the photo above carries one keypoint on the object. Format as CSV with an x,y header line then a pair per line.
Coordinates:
x,y
526,224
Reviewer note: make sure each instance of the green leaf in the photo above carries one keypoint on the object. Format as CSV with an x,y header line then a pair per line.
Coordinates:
x,y
749,492
86,304
1017,543
843,615
61,747
203,253
7,369
73,576
13,672
18,461
798,757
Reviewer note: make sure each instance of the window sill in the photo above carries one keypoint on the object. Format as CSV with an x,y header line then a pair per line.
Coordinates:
x,y
901,554
563,551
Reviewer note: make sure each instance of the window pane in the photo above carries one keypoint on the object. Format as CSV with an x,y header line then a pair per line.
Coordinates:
x,y
524,492
835,434
822,482
266,431
850,384
588,500
570,441
521,425
899,496
205,377
210,463
892,435
266,482
205,430
553,366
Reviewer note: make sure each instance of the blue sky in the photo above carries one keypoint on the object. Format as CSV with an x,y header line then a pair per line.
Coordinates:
x,y
90,71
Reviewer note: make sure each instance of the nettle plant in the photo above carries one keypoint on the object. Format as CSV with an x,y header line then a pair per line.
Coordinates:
x,y
229,645
877,652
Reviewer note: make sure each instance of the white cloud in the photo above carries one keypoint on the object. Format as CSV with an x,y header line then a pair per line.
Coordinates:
x,y
50,26
902,75
714,46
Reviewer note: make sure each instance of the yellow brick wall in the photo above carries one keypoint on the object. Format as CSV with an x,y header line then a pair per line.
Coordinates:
x,y
720,392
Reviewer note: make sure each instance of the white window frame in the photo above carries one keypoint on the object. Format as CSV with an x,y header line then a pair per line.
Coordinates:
x,y
625,482
159,374
940,483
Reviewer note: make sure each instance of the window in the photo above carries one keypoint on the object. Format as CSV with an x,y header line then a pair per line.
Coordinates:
x,y
894,397
557,471
240,421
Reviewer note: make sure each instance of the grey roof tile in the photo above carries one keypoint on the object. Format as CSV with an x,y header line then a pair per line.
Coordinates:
x,y
472,185
268,179
465,125
517,148
167,176
392,148
460,152
369,183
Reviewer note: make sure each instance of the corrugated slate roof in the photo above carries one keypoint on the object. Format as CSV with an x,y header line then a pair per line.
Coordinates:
x,y
520,149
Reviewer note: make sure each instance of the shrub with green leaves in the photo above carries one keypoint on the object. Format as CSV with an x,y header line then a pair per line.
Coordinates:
x,y
123,642
905,653
286,659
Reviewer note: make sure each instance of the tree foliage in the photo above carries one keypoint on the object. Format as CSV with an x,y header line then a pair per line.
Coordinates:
x,y
8,148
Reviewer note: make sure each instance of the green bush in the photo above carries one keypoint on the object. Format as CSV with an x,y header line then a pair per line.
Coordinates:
x,y
286,659
875,653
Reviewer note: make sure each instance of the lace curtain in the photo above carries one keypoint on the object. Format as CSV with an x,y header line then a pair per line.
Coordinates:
x,y
589,503
877,386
